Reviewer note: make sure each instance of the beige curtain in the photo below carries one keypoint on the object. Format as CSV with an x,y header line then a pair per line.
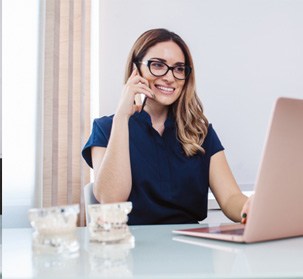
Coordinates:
x,y
66,111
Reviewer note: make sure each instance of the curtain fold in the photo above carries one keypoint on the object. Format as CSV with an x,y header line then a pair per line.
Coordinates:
x,y
66,112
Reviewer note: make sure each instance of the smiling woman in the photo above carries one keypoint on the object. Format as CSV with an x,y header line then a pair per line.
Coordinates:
x,y
164,157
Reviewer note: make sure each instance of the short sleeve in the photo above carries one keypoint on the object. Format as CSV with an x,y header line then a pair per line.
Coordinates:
x,y
99,137
212,143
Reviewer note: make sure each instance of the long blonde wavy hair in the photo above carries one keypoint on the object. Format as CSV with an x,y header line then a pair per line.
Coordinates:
x,y
192,125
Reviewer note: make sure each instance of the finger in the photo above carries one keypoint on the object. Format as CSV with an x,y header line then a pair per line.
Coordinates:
x,y
245,210
142,89
244,213
144,81
137,79
133,74
244,218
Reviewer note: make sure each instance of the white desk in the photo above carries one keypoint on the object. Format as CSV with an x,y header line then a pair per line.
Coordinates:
x,y
157,253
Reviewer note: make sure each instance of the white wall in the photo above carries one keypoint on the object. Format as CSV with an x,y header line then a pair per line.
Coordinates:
x,y
246,54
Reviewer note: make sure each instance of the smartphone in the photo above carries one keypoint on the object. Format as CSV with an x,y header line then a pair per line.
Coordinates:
x,y
143,97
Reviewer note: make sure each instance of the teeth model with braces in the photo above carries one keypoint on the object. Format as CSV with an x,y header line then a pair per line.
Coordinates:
x,y
109,221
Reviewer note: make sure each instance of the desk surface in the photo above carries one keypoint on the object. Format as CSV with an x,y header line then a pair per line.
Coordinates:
x,y
156,253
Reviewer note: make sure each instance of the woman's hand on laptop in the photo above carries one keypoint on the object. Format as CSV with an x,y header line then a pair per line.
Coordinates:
x,y
245,209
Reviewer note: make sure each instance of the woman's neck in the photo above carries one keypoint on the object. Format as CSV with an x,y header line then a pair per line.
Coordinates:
x,y
158,115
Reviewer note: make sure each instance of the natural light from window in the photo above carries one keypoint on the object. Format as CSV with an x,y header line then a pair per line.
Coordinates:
x,y
20,83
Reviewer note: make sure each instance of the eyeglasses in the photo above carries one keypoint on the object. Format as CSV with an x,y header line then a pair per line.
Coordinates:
x,y
160,69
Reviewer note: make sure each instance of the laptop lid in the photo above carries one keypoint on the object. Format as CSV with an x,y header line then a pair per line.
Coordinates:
x,y
277,208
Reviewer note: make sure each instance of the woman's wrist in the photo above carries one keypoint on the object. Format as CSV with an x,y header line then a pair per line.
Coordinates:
x,y
121,118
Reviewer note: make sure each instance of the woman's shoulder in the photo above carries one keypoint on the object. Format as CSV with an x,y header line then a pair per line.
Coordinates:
x,y
102,125
210,129
104,121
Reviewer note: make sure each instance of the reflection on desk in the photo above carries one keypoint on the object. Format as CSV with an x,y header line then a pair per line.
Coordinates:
x,y
283,257
111,260
155,253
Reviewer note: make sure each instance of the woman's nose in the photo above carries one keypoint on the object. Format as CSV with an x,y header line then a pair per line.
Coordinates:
x,y
169,75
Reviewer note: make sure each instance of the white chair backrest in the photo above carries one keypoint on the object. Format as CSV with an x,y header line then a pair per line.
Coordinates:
x,y
89,198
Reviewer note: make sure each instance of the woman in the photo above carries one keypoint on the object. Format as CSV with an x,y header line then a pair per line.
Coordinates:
x,y
163,154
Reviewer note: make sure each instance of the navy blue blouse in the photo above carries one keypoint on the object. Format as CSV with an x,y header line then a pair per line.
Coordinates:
x,y
167,186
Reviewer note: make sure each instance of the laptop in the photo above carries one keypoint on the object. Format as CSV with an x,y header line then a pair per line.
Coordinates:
x,y
277,208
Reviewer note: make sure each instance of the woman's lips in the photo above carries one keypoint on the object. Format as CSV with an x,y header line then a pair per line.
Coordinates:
x,y
165,89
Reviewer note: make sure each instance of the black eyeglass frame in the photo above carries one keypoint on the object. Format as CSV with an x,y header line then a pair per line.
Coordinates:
x,y
148,63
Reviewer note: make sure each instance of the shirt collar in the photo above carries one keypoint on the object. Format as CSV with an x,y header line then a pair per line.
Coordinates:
x,y
143,115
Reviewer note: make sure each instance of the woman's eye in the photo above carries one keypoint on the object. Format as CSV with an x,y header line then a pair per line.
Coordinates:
x,y
180,69
157,65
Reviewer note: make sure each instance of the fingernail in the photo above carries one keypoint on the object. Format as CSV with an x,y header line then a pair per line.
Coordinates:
x,y
244,215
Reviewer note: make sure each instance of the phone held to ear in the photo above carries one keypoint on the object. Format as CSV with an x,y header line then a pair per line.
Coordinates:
x,y
142,96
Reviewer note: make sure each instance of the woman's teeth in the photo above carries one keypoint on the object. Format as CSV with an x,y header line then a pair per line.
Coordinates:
x,y
166,89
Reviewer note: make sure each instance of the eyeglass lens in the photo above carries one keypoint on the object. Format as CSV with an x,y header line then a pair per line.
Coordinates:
x,y
158,68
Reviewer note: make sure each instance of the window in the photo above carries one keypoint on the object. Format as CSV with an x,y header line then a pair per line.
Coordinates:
x,y
21,84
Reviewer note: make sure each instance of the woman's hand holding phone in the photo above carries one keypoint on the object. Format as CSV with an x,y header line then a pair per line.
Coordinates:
x,y
130,101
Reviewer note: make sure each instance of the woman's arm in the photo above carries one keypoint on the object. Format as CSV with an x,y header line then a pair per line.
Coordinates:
x,y
225,188
111,165
112,172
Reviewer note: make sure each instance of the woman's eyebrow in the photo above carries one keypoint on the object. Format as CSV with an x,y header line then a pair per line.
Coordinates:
x,y
179,64
157,58
163,60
